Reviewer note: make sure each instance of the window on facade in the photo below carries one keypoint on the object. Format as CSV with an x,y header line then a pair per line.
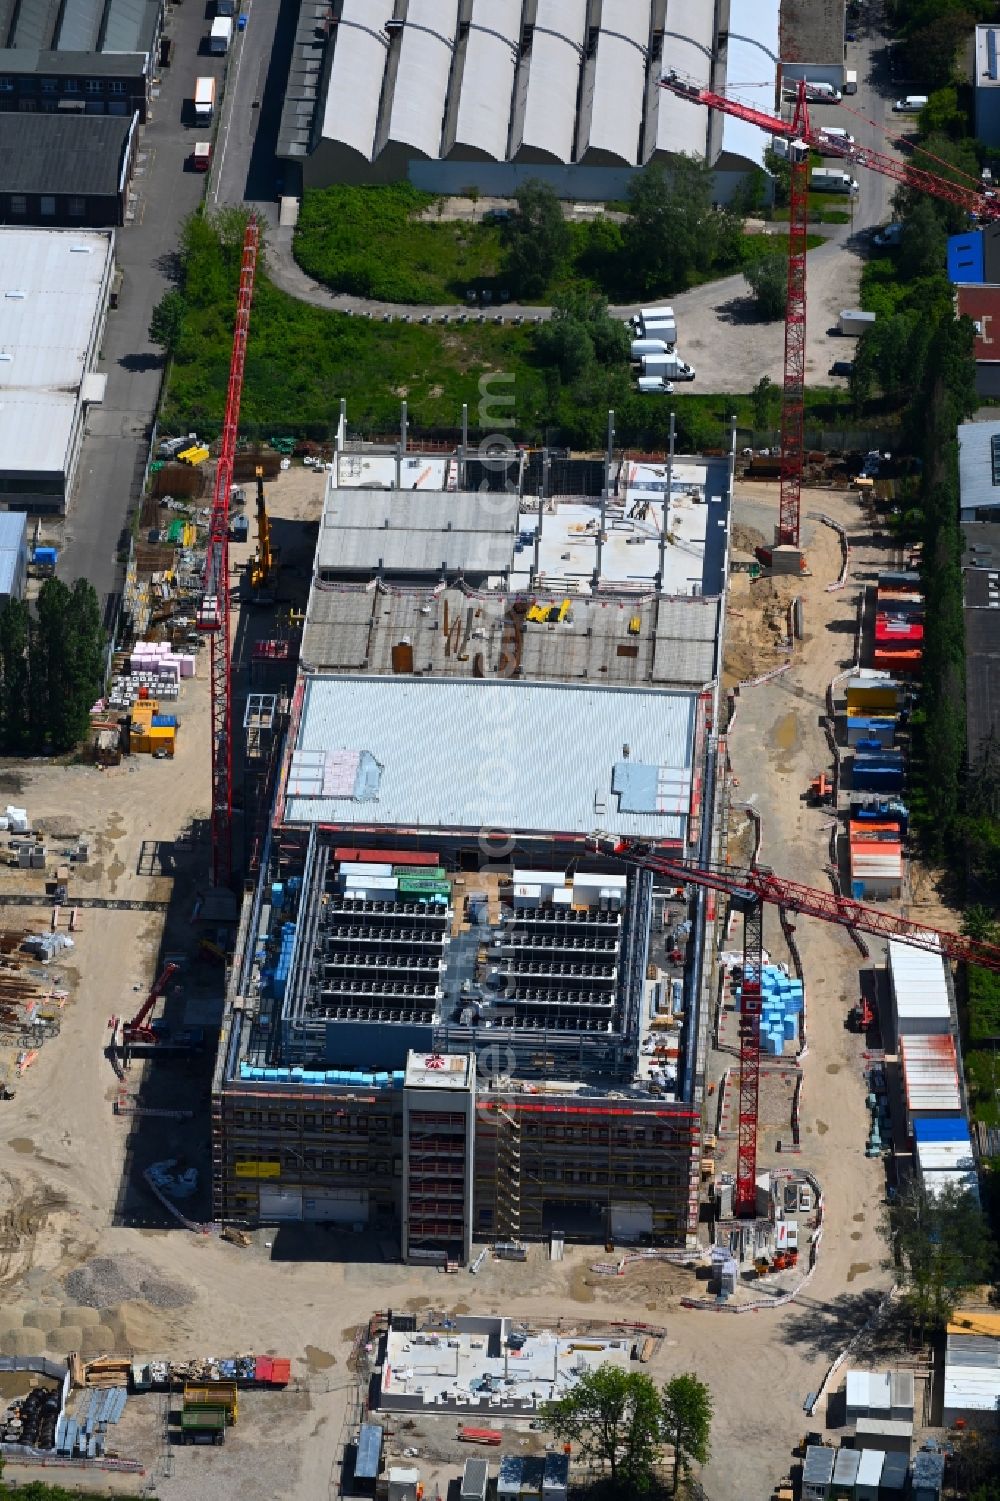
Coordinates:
x,y
47,205
78,207
49,85
94,86
117,86
71,86
18,203
6,85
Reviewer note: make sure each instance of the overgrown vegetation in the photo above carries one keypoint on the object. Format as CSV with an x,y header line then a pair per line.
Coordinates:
x,y
302,359
930,32
50,669
385,243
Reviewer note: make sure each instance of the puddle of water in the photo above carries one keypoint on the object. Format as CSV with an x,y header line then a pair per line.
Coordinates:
x,y
22,1145
319,1360
855,1234
785,733
833,1068
822,1128
857,1268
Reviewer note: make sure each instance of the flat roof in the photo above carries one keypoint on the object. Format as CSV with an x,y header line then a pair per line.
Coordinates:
x,y
978,477
478,754
51,289
666,641
930,1073
416,531
987,74
62,154
812,31
439,1070
919,982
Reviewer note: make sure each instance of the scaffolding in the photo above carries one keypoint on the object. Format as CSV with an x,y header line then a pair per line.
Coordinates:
x,y
507,1176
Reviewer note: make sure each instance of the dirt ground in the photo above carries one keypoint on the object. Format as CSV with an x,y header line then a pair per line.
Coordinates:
x,y
67,1184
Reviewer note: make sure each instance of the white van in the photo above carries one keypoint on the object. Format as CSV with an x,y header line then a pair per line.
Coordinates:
x,y
911,105
651,315
652,385
850,81
833,141
817,91
829,180
641,347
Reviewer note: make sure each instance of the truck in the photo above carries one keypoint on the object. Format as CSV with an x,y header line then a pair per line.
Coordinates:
x,y
852,320
653,385
662,329
651,315
204,100
641,347
850,80
220,36
833,140
667,367
201,156
832,180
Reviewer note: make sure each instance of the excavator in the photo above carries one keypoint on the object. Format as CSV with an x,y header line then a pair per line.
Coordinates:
x,y
264,563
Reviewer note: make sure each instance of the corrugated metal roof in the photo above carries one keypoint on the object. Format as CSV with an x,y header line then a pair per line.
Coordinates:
x,y
868,1389
416,531
62,153
819,1463
901,1387
420,80
978,489
548,81
886,1427
971,1389
930,1073
13,530
895,1470
981,1350
918,980
746,62
941,1128
845,1469
35,23
80,27
947,1155
354,89
474,753
614,79
870,1467
480,107
130,25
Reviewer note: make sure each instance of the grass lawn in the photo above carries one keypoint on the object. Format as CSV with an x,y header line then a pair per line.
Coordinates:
x,y
375,242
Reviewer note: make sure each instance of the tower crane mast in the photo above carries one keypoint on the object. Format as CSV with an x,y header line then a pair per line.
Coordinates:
x,y
213,611
801,136
748,890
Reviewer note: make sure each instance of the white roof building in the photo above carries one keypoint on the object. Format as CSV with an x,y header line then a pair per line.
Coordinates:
x,y
921,1001
493,92
54,286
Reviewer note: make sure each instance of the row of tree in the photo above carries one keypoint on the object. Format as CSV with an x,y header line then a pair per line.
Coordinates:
x,y
671,235
51,669
620,1423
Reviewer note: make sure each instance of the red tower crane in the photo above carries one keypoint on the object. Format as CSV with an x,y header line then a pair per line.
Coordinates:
x,y
801,135
748,890
213,612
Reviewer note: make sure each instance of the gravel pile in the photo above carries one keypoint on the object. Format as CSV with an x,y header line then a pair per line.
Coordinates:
x,y
106,1281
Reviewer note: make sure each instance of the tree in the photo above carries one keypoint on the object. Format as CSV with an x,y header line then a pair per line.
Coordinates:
x,y
687,1421
779,168
537,239
671,231
979,924
922,244
762,399
614,1418
579,332
167,320
941,1244
768,279
15,696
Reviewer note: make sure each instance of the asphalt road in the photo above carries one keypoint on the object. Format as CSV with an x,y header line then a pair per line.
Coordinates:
x,y
245,168
117,434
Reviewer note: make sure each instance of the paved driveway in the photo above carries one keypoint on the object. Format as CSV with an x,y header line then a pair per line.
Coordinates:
x,y
166,192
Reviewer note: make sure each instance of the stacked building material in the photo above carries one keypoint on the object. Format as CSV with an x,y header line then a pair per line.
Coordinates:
x,y
781,1007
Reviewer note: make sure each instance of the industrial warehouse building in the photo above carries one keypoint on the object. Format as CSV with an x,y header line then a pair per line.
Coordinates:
x,y
454,94
441,1021
55,289
56,171
78,57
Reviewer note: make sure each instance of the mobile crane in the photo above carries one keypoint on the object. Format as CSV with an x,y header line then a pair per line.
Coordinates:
x,y
264,563
138,1029
975,198
747,891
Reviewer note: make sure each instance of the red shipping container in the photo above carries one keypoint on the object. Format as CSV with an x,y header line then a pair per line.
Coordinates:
x,y
264,1368
281,1372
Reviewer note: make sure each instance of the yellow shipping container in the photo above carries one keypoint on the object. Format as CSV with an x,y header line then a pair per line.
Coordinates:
x,y
140,745
257,1169
162,731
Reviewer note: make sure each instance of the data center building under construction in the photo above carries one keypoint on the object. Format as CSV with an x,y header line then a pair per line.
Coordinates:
x,y
447,1021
